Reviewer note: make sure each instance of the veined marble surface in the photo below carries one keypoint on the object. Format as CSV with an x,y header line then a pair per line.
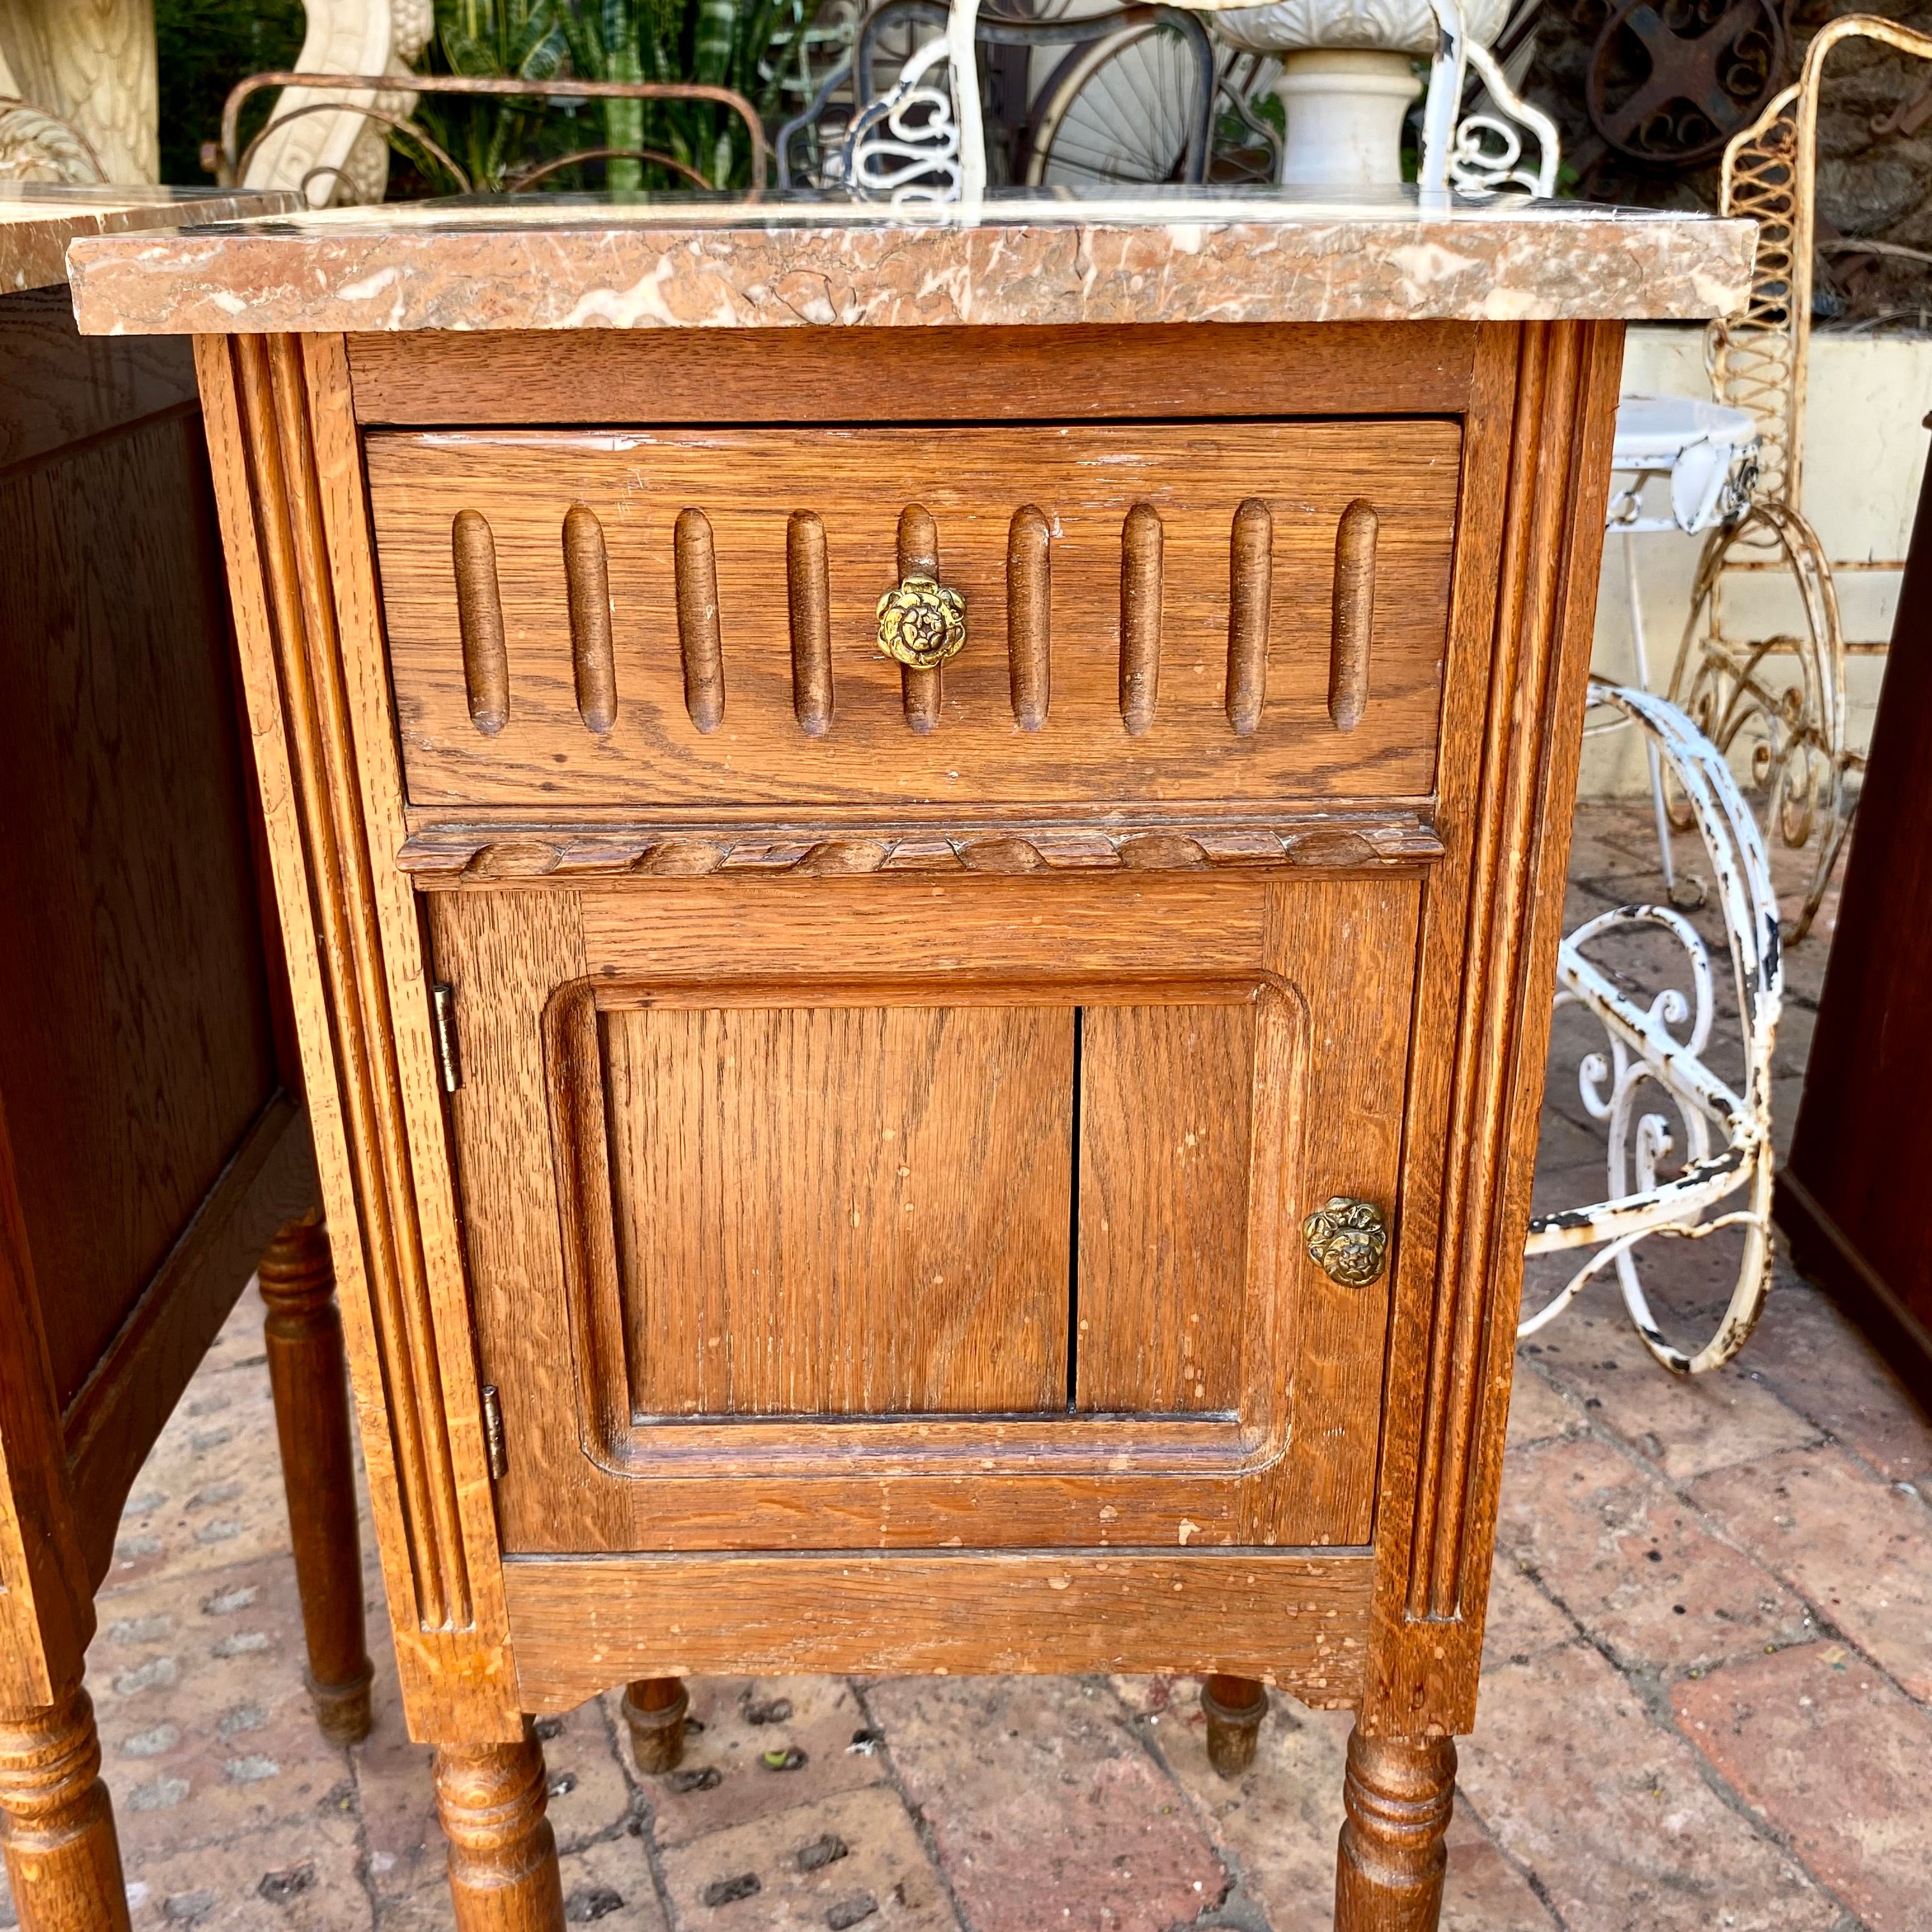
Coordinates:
x,y
699,261
38,219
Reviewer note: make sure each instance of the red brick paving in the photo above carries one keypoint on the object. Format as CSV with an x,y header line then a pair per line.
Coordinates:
x,y
1634,1770
1836,1758
1860,1548
1635,1565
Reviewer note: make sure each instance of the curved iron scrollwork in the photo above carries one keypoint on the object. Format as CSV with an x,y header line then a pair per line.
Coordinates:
x,y
1482,153
1660,1048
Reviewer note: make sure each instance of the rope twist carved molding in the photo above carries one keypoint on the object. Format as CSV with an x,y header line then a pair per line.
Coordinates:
x,y
459,855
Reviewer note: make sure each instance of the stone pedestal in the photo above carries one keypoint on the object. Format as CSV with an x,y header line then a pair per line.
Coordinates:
x,y
1345,109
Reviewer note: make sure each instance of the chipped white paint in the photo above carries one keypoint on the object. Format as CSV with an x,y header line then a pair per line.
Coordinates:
x,y
1726,1147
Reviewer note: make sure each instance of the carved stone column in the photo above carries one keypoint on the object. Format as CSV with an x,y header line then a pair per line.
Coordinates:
x,y
92,64
340,155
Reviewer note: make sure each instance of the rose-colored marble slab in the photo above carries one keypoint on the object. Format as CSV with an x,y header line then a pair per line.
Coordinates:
x,y
690,262
38,221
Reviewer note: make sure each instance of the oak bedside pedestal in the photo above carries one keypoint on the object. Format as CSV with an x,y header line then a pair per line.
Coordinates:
x,y
923,948
153,1140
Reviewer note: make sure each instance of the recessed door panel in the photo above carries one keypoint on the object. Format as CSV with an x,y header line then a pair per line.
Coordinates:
x,y
841,1210
1166,1144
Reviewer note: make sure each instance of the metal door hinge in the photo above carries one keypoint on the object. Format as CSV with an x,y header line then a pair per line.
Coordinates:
x,y
493,1433
442,1005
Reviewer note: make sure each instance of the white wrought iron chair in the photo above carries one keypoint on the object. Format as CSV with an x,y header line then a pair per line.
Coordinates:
x,y
924,118
1660,1047
1727,681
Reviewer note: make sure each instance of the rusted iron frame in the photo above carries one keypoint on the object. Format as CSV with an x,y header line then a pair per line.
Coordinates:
x,y
1644,1049
1759,361
230,160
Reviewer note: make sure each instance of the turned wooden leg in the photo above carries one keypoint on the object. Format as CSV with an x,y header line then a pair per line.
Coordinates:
x,y
503,1854
1389,1863
1233,1707
303,1337
654,1708
63,1862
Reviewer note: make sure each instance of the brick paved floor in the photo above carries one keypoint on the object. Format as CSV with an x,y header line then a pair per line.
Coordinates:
x,y
1707,1701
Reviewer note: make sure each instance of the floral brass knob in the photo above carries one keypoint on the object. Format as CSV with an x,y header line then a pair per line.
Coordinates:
x,y
922,623
1347,1241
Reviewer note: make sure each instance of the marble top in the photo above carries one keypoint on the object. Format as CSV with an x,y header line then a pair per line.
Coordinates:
x,y
38,219
1028,256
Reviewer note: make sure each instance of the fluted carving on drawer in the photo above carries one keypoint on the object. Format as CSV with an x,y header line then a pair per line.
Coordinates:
x,y
1250,590
923,691
809,583
697,631
1354,615
1029,615
479,619
1142,543
586,575
1137,610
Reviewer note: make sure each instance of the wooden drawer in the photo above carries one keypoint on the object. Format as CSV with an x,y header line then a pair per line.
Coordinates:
x,y
556,679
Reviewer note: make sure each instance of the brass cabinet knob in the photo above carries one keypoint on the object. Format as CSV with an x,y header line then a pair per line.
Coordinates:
x,y
922,623
1348,1239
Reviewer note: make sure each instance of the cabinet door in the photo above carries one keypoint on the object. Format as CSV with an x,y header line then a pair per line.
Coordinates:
x,y
842,1214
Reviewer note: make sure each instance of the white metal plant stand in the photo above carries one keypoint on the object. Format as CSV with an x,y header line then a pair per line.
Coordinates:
x,y
1663,1043
1705,455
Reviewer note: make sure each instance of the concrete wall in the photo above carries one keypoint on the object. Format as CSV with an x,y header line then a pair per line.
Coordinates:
x,y
1864,453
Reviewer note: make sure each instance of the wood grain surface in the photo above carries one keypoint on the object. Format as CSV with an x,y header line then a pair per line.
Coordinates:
x,y
130,928
679,741
1385,1031
1166,1141
111,1422
487,855
840,1211
46,1597
301,1335
63,387
56,1823
1298,1620
491,1801
147,1147
286,459
1538,468
929,375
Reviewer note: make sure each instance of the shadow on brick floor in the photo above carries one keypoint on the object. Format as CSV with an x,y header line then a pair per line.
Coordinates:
x,y
1707,1697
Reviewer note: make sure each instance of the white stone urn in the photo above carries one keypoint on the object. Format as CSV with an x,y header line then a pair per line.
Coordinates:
x,y
1347,75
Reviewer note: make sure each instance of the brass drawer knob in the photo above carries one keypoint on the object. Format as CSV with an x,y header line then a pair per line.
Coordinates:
x,y
1347,1241
922,623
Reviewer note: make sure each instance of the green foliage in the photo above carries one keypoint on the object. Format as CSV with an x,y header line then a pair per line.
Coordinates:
x,y
735,43
205,46
484,40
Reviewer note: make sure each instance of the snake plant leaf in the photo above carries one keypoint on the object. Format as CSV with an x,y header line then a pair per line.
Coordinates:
x,y
537,51
716,35
461,26
619,32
